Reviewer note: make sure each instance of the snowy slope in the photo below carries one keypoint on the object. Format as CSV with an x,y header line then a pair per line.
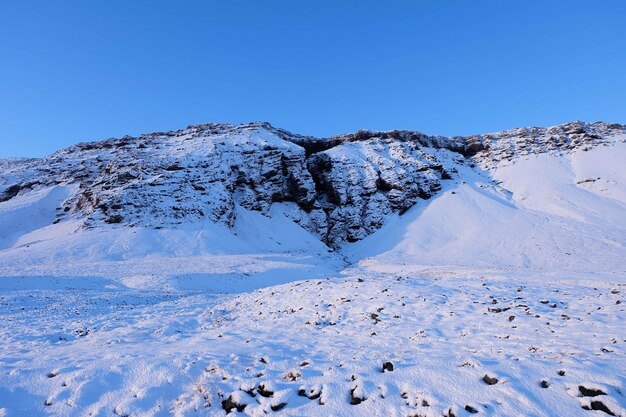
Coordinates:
x,y
548,214
258,251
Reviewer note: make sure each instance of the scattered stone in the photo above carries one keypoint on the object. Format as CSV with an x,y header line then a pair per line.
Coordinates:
x,y
292,375
387,366
114,219
590,392
375,317
599,406
229,404
312,393
354,399
449,413
278,407
544,384
490,380
264,392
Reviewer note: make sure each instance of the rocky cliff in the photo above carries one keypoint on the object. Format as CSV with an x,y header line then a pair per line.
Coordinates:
x,y
342,188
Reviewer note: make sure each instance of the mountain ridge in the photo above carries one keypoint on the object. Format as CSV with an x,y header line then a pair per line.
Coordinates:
x,y
334,140
343,187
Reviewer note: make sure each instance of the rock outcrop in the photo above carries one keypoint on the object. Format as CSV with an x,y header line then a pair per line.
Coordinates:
x,y
343,187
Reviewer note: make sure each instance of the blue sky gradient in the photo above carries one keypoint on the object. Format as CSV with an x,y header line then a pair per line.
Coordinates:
x,y
87,70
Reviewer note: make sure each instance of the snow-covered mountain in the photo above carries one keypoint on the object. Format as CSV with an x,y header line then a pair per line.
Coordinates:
x,y
245,270
518,195
204,172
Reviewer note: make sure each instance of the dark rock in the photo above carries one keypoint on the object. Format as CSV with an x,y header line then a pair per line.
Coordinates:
x,y
355,400
590,392
599,406
264,392
10,192
228,405
278,406
449,413
311,394
490,380
387,366
116,218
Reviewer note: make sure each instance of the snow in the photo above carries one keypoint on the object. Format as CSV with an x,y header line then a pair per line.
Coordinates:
x,y
181,353
533,216
34,211
513,271
258,251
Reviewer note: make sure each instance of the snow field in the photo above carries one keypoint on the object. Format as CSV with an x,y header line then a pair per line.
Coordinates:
x,y
318,347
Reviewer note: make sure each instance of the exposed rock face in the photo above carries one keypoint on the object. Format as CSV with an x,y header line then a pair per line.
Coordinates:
x,y
360,183
343,187
167,178
503,147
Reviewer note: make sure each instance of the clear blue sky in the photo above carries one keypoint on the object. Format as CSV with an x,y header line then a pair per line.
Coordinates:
x,y
85,70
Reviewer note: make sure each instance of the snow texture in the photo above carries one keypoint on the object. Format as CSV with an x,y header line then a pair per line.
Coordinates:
x,y
252,271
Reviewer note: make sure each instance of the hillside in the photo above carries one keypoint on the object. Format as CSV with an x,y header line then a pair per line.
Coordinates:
x,y
246,270
511,199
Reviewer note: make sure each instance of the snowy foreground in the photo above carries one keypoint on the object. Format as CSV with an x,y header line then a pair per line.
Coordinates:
x,y
317,348
498,292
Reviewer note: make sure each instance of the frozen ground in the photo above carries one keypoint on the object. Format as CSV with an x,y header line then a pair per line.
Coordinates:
x,y
317,347
503,295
